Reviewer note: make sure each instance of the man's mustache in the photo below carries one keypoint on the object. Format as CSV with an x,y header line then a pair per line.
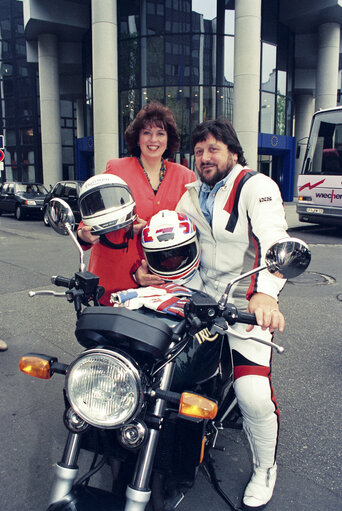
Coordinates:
x,y
208,164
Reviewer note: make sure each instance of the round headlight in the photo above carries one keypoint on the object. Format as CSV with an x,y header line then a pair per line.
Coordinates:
x,y
104,388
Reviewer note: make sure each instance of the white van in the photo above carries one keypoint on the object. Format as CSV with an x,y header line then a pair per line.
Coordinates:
x,y
320,183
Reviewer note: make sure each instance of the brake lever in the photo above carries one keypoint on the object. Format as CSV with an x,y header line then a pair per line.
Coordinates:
x,y
46,292
279,349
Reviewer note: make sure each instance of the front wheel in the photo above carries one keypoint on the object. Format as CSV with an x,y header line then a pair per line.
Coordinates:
x,y
46,218
87,498
19,214
166,494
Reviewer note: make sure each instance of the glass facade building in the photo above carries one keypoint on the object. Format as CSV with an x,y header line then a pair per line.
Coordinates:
x,y
19,105
181,52
18,92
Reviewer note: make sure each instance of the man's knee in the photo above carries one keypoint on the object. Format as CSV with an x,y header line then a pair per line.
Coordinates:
x,y
254,395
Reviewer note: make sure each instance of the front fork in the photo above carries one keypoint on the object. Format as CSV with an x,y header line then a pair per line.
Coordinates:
x,y
66,470
138,493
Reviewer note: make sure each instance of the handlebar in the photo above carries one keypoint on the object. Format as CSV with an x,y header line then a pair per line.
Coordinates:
x,y
202,312
82,288
232,315
58,280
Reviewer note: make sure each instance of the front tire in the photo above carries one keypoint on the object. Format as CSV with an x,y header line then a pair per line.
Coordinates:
x,y
19,214
46,218
165,495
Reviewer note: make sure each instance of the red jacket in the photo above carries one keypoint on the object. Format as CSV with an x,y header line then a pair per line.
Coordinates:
x,y
114,266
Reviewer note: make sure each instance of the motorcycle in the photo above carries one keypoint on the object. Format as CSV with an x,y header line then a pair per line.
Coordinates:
x,y
149,394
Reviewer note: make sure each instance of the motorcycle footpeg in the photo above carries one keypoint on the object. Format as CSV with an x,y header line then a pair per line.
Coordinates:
x,y
218,447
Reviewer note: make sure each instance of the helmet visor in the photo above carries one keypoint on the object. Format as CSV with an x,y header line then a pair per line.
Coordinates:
x,y
105,198
172,260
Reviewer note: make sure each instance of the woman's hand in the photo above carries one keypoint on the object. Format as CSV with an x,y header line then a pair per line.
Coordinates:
x,y
85,234
267,313
144,278
138,225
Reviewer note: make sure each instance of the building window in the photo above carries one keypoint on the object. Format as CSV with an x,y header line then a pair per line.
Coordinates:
x,y
267,111
276,78
269,67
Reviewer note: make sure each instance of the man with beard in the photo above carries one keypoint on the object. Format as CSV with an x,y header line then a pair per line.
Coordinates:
x,y
238,214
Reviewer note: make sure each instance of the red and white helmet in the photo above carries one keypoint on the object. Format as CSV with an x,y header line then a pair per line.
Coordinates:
x,y
170,245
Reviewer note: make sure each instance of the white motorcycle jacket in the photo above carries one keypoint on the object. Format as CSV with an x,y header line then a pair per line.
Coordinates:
x,y
248,216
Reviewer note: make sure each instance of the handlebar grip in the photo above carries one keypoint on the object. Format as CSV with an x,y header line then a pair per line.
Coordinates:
x,y
246,317
232,315
60,281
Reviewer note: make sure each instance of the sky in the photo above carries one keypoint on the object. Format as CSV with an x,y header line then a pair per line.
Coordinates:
x,y
206,7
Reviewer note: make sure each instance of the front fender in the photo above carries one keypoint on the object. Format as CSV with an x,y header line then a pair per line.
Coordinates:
x,y
85,498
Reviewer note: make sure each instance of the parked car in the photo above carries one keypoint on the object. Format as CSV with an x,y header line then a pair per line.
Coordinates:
x,y
22,199
68,191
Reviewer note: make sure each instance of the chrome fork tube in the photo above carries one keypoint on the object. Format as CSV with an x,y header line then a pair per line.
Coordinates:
x,y
71,450
66,470
138,493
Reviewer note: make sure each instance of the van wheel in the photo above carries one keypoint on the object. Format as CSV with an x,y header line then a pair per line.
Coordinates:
x,y
46,218
19,214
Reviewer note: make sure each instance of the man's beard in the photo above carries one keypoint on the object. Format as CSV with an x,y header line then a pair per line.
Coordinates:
x,y
217,176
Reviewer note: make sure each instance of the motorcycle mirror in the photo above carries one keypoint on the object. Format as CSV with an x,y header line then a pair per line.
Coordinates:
x,y
62,220
60,215
288,258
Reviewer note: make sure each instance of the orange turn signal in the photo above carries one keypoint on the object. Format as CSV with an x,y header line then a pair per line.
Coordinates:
x,y
35,366
194,405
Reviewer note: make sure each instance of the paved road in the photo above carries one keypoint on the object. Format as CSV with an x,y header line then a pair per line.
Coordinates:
x,y
306,378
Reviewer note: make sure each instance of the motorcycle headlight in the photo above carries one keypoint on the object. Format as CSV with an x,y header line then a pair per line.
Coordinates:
x,y
104,388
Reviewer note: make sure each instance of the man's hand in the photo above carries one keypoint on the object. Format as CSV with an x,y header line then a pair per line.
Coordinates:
x,y
267,313
138,225
144,278
85,234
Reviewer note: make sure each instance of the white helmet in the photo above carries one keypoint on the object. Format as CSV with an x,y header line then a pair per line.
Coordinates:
x,y
170,245
106,204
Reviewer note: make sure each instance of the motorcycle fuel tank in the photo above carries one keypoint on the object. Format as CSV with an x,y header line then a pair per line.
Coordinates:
x,y
123,328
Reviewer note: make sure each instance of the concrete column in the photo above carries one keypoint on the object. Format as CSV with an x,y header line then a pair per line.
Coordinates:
x,y
50,108
304,105
247,76
105,82
327,66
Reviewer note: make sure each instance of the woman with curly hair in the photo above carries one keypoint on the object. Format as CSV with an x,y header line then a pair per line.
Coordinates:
x,y
155,183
